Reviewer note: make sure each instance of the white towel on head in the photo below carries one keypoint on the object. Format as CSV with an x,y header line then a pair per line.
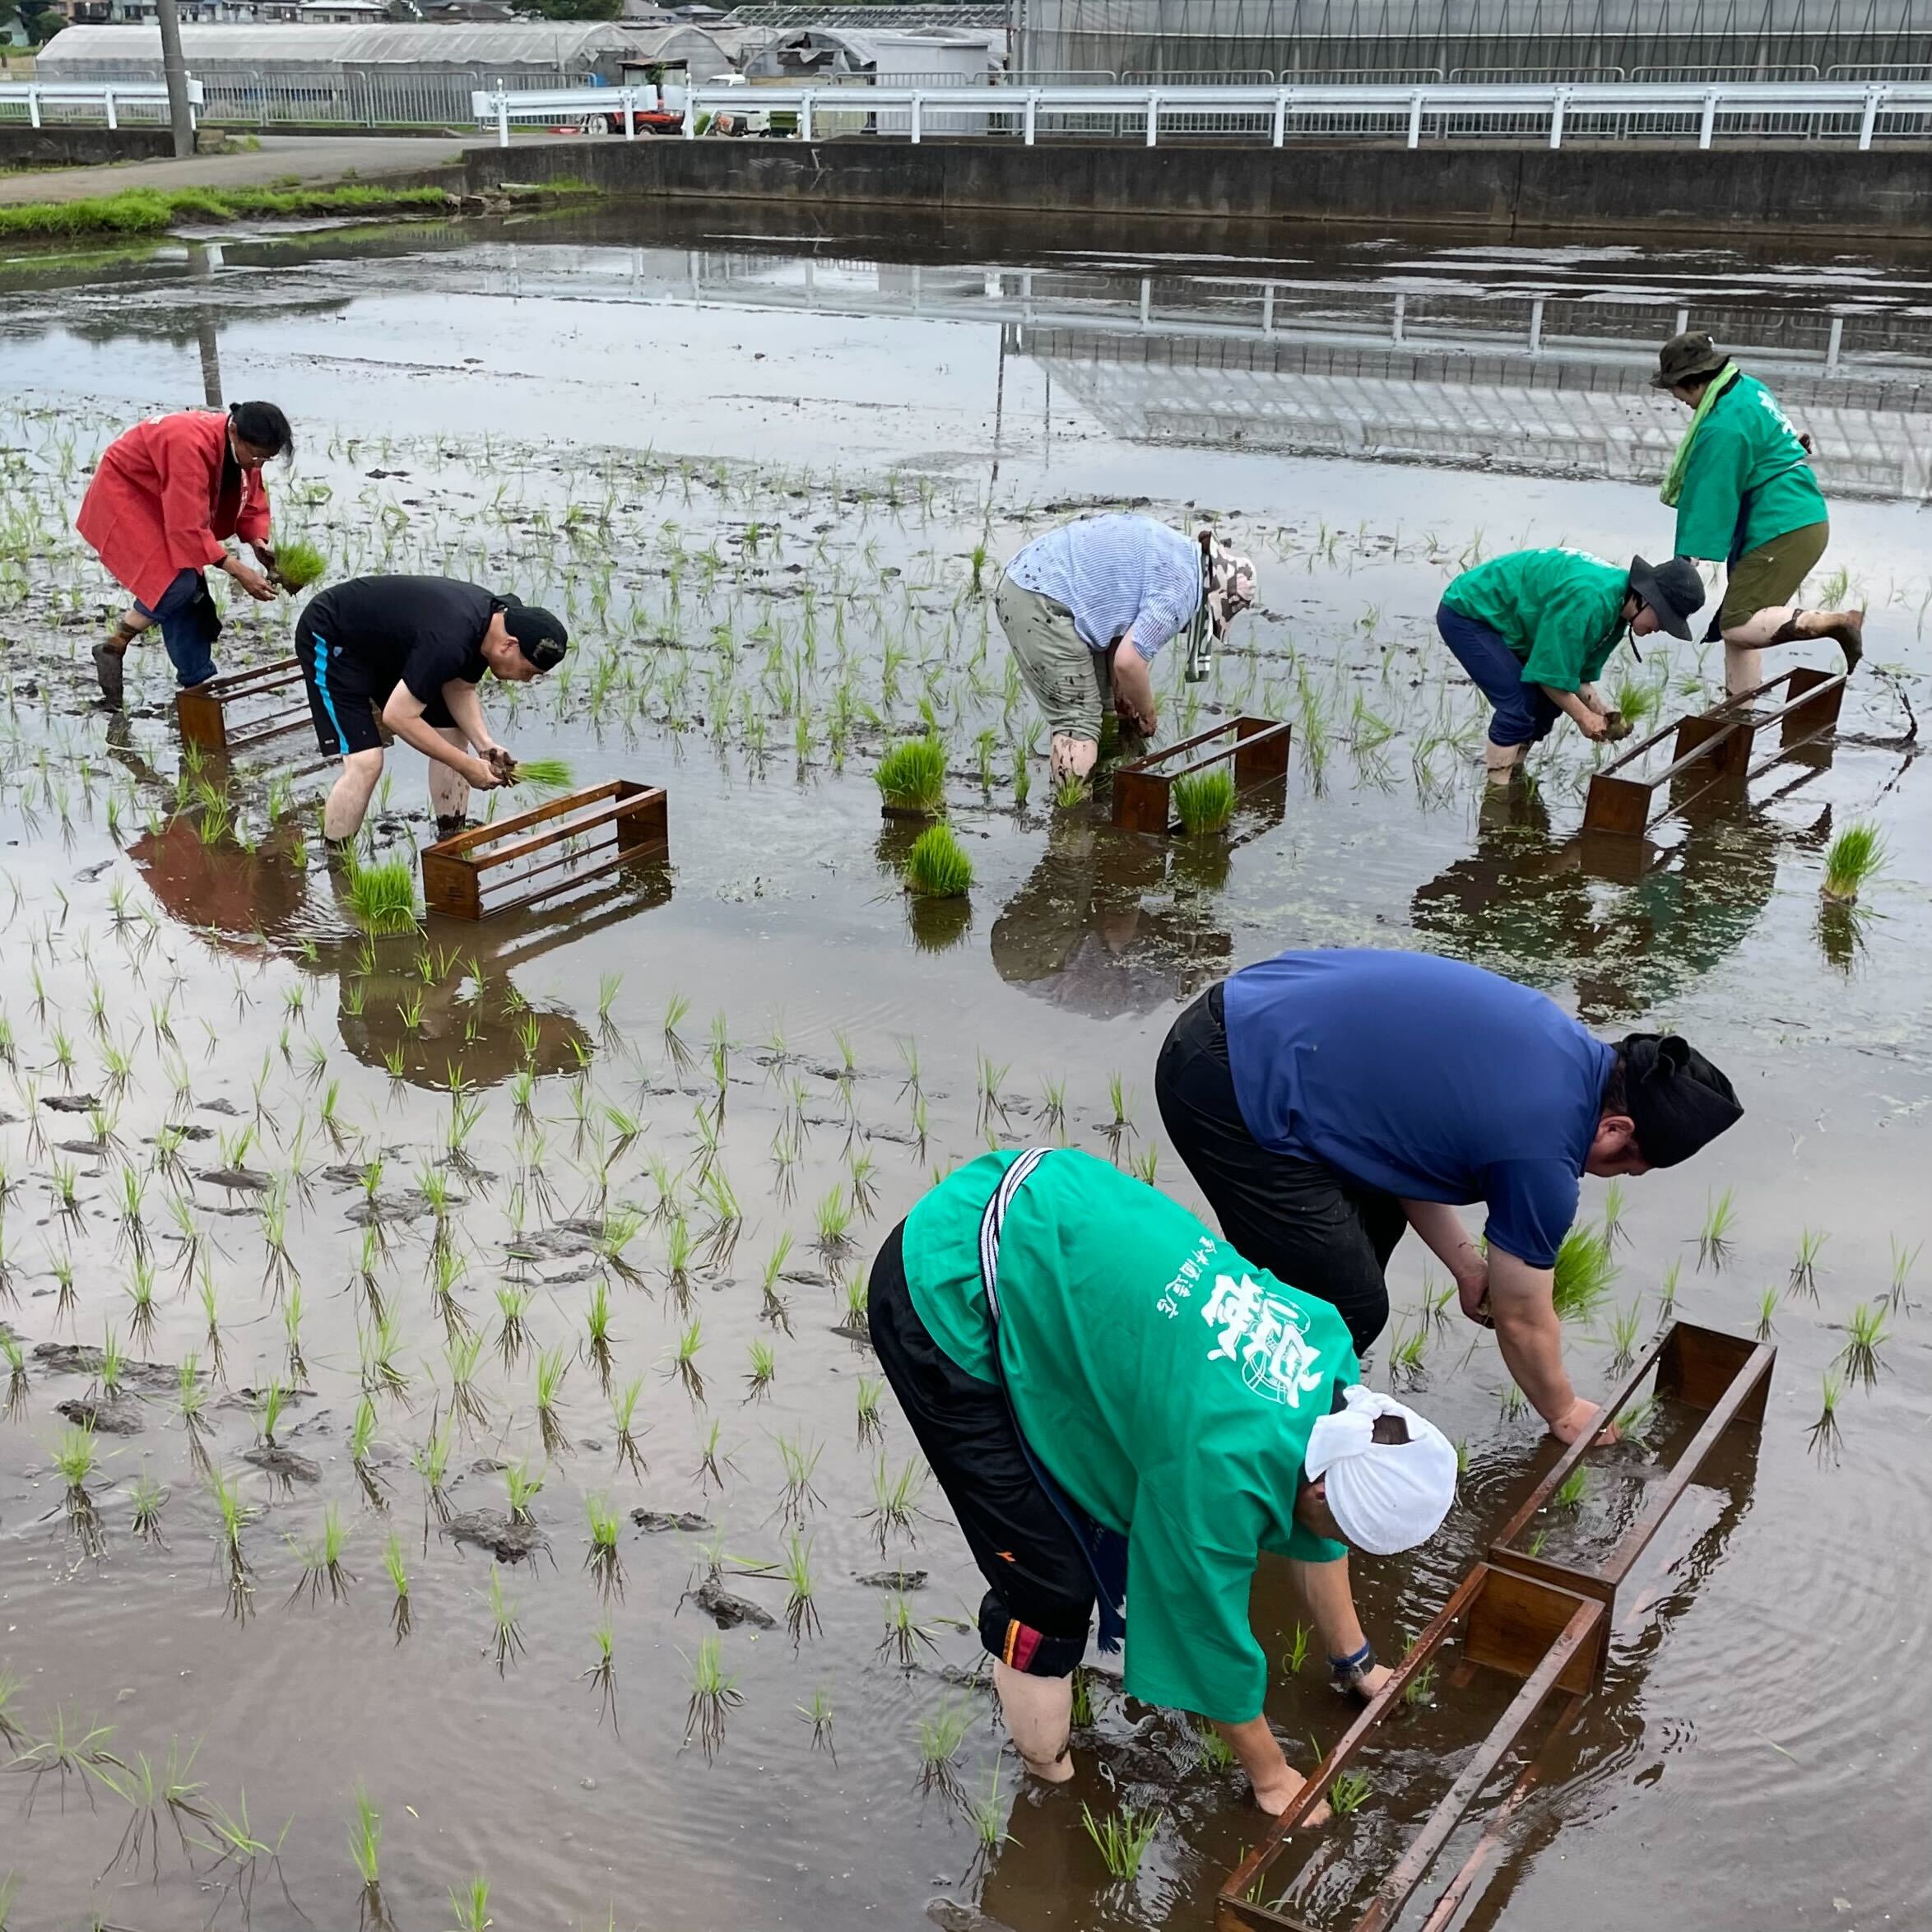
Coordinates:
x,y
1383,1496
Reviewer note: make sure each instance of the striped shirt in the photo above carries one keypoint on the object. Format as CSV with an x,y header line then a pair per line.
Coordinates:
x,y
1116,574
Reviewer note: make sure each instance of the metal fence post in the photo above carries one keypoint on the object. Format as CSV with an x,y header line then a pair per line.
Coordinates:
x,y
805,116
1872,95
33,107
107,96
1415,119
503,117
1709,122
690,126
1153,117
1281,117
917,116
631,118
1033,104
1556,117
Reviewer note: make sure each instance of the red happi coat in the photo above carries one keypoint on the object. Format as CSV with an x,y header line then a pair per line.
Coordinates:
x,y
158,504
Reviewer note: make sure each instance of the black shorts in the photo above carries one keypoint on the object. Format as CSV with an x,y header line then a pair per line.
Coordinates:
x,y
1308,1225
346,711
1040,1592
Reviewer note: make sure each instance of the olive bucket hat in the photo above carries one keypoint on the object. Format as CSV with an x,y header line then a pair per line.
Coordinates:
x,y
1686,358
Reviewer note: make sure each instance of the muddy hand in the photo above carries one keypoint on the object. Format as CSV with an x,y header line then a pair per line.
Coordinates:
x,y
505,765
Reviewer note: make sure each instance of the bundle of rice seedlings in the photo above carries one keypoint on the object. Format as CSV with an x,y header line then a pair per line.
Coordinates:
x,y
911,777
937,866
383,896
1853,858
1584,1273
545,775
298,565
1204,801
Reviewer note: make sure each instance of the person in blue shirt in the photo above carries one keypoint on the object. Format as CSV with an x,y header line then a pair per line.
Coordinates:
x,y
1086,609
1327,1101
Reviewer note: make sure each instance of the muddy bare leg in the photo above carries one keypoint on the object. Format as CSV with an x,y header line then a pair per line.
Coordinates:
x,y
449,790
1784,624
1039,1715
348,802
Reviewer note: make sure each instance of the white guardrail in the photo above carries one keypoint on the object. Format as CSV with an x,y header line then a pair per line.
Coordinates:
x,y
1557,103
109,97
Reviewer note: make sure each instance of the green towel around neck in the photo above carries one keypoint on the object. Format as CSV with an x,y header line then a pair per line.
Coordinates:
x,y
1674,477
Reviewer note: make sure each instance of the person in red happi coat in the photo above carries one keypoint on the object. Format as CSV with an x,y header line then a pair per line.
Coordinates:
x,y
165,494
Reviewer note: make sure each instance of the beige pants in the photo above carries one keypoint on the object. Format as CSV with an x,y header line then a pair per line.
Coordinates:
x,y
1073,686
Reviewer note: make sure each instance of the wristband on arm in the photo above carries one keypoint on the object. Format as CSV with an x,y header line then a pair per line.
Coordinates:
x,y
1345,1675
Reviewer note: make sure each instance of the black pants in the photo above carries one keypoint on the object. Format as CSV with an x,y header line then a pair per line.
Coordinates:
x,y
1040,1594
1306,1223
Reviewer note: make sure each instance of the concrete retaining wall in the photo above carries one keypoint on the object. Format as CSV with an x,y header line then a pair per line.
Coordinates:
x,y
1625,188
21,146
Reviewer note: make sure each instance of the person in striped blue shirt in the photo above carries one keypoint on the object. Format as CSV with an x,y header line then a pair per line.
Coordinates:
x,y
1086,608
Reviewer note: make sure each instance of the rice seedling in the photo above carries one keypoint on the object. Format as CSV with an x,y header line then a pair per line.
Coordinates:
x,y
152,1792
1904,1260
904,1633
543,774
603,1560
938,867
291,1322
552,1366
466,1405
678,1249
940,1734
1053,1107
1825,1438
236,1572
470,1908
384,897
15,1357
1804,1279
512,1334
1855,858
1667,1294
147,1499
833,1218
871,1421
684,1359
1070,792
1613,1206
801,1616
623,1420
912,776
430,1459
1421,1688
1584,1273
365,1854
401,1618
603,1673
1766,1312
798,1459
321,1558
298,563
75,1460
521,1488
1349,1792
232,1840
895,1502
1407,1356
764,1370
1215,1753
1297,1653
1121,1838
818,1714
69,1751
1865,1336
1633,1419
1569,1492
1714,1238
712,1463
1204,801
713,1693
1626,1326
506,1642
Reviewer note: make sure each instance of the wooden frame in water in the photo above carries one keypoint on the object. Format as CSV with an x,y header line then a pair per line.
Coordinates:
x,y
1712,748
202,710
1544,1623
550,848
1143,789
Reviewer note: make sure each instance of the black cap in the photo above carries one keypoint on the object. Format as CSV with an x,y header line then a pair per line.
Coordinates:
x,y
540,635
1673,590
1677,1100
1688,358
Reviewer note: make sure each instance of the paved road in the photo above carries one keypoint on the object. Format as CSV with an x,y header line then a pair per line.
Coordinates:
x,y
309,157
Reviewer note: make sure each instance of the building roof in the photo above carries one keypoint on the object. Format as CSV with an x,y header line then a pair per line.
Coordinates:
x,y
547,44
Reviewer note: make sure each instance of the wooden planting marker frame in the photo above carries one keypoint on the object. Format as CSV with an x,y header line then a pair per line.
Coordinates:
x,y
1716,745
551,848
1544,1625
1143,789
201,711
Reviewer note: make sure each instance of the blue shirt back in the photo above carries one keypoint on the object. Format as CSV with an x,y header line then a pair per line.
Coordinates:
x,y
1116,574
1426,1078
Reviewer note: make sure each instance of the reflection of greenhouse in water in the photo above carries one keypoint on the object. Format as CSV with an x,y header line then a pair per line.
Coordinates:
x,y
1453,40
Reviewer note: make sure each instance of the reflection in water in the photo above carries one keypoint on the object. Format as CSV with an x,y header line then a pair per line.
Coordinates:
x,y
1110,923
417,1005
1538,908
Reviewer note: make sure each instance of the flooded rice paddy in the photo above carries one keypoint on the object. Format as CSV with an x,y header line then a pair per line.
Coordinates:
x,y
418,1257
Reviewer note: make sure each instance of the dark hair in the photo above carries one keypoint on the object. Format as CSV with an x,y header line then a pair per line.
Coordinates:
x,y
1616,1094
264,425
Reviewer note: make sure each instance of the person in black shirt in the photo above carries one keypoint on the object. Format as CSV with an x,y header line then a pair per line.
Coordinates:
x,y
401,657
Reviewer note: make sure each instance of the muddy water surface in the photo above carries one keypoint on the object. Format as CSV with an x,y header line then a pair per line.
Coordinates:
x,y
753,469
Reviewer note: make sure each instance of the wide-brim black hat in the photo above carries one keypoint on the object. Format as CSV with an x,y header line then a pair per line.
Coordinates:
x,y
1673,589
1685,358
